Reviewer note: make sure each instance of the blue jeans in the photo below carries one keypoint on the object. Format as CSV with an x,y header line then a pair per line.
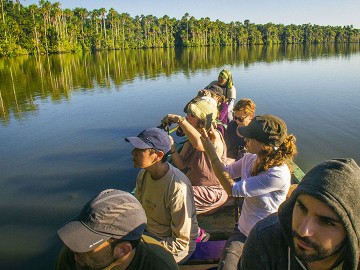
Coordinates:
x,y
233,249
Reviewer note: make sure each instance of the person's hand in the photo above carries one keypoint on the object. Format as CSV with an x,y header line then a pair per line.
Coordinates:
x,y
204,134
204,93
170,119
208,134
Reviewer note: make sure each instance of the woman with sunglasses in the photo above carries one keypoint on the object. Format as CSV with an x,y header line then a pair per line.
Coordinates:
x,y
265,177
244,112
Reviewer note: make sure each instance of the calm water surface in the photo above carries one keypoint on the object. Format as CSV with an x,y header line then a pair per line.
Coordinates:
x,y
63,120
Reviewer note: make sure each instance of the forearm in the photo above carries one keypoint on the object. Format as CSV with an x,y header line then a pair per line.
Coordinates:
x,y
192,135
175,244
177,158
225,180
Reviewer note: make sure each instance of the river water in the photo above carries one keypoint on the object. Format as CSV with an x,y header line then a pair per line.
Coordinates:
x,y
63,120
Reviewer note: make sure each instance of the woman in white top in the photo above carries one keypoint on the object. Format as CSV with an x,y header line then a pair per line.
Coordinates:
x,y
265,177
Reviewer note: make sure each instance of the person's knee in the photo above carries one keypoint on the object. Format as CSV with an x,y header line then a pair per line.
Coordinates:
x,y
229,260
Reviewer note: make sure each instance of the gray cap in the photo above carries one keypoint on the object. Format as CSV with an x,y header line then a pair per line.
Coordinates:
x,y
111,214
216,89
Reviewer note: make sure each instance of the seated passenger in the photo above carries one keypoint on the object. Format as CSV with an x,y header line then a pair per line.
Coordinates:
x,y
265,177
215,95
108,234
208,192
316,228
244,112
165,193
225,81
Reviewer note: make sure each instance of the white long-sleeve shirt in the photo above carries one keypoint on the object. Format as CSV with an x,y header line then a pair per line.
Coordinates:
x,y
262,193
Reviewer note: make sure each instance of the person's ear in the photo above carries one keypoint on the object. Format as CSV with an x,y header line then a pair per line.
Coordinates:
x,y
160,155
122,249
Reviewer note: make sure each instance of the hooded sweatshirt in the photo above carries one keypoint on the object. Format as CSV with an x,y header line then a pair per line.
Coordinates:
x,y
334,182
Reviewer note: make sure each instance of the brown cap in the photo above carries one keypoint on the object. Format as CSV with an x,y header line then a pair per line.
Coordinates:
x,y
267,129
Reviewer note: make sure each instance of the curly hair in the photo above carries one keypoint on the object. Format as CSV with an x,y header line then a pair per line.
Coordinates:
x,y
271,157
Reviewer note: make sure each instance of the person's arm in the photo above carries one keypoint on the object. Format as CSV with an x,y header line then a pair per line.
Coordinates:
x,y
225,180
178,158
262,183
190,132
139,185
223,112
232,93
181,219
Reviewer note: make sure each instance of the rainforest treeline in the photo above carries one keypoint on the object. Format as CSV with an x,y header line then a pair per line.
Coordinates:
x,y
47,29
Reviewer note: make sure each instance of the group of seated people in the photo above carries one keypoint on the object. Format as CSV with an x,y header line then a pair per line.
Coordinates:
x,y
241,155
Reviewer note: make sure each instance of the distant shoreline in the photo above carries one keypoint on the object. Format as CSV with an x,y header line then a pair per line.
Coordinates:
x,y
48,29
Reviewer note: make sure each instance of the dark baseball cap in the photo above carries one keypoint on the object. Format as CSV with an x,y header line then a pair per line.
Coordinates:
x,y
216,89
267,129
155,138
111,214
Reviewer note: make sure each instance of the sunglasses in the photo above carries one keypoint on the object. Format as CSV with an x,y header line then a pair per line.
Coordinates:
x,y
190,113
240,119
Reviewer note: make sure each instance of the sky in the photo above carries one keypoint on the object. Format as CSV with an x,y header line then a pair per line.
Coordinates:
x,y
320,12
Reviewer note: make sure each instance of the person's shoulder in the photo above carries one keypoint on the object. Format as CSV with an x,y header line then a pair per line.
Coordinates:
x,y
232,125
178,179
158,255
282,172
266,230
266,246
268,223
215,82
65,260
249,157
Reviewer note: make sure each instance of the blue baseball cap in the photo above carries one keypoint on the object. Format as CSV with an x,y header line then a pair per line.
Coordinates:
x,y
155,138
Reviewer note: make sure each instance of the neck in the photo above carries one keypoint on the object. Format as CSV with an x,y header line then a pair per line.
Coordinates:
x,y
123,262
158,170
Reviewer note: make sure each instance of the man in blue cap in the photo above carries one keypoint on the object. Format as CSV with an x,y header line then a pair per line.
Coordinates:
x,y
165,193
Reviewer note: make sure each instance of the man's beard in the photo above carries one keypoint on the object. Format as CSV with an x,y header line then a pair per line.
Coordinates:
x,y
319,253
98,266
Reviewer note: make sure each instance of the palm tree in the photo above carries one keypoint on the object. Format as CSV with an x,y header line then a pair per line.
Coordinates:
x,y
3,18
102,13
33,9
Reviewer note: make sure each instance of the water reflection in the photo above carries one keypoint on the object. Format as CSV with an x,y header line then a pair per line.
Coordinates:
x,y
64,119
24,81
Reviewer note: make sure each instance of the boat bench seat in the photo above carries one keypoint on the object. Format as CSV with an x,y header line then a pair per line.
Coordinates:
x,y
207,252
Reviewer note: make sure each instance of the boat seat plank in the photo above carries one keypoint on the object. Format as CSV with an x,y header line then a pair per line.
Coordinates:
x,y
207,252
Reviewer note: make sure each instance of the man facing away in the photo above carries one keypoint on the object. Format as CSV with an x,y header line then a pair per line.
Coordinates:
x,y
318,227
108,234
165,193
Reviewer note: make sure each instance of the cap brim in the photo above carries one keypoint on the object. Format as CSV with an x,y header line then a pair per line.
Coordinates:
x,y
80,238
244,131
138,143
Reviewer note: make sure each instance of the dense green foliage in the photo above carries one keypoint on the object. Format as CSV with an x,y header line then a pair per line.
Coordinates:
x,y
47,28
